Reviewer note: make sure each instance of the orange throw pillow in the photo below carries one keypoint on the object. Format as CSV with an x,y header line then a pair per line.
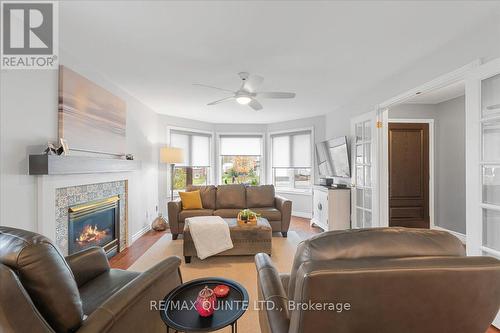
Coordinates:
x,y
191,200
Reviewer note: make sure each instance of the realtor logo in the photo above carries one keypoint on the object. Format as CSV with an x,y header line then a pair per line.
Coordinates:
x,y
29,34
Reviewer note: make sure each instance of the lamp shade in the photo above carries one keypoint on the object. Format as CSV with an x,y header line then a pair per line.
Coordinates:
x,y
171,155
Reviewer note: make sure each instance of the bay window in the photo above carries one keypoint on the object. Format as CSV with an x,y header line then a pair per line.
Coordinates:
x,y
291,161
196,167
240,158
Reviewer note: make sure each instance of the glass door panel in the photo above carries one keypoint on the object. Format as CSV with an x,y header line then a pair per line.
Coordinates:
x,y
491,140
491,184
362,196
490,96
491,229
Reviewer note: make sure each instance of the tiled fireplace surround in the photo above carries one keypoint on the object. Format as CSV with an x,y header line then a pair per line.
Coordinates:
x,y
56,193
69,196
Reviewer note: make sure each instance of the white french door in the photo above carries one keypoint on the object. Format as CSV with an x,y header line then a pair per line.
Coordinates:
x,y
363,152
483,161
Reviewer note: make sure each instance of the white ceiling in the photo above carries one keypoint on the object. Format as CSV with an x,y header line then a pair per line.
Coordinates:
x,y
326,52
439,95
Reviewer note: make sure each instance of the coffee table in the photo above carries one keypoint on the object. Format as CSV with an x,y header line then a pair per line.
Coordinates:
x,y
228,309
247,239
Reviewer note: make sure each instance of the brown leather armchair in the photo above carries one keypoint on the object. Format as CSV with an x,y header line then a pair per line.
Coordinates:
x,y
41,291
389,280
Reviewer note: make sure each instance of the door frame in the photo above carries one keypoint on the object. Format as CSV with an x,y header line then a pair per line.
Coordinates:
x,y
430,122
455,76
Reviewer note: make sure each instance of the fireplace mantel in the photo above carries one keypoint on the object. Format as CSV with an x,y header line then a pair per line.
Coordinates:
x,y
66,165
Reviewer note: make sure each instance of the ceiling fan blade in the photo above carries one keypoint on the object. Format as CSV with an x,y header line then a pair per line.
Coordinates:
x,y
222,100
252,83
207,86
276,94
254,104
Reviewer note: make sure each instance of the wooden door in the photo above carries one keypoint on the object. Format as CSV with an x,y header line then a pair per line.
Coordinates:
x,y
409,175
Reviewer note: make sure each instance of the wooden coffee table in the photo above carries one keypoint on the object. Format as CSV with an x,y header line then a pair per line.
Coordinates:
x,y
247,239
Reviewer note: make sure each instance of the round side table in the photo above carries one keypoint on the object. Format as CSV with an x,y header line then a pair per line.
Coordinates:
x,y
179,314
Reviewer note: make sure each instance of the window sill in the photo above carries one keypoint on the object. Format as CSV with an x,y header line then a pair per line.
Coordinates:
x,y
294,191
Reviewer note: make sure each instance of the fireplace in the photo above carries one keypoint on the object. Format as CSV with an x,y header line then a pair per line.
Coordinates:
x,y
95,223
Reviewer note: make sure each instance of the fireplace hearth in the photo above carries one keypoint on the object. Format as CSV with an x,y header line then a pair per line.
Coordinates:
x,y
95,223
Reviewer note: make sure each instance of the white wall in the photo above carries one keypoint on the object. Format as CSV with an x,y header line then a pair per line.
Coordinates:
x,y
449,156
29,120
450,164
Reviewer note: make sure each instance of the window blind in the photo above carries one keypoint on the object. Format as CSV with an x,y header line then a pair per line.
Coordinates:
x,y
195,147
240,145
292,150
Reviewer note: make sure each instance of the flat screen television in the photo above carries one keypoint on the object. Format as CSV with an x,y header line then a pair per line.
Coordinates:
x,y
333,158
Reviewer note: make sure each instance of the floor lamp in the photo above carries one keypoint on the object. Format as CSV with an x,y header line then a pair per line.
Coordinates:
x,y
168,155
171,155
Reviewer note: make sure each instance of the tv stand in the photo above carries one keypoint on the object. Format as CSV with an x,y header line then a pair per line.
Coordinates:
x,y
331,208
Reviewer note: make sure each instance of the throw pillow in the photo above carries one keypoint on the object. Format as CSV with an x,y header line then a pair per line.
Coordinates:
x,y
191,200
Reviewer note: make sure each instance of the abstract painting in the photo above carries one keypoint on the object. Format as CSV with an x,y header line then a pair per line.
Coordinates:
x,y
90,117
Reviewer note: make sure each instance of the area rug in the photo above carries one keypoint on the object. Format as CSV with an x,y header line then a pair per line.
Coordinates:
x,y
238,268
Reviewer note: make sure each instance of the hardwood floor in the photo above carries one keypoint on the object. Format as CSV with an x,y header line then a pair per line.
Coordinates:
x,y
127,257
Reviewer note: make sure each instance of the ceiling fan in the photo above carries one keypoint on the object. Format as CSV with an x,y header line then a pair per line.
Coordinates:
x,y
248,94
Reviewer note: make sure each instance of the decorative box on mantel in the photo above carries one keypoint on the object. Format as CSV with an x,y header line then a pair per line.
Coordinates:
x,y
65,165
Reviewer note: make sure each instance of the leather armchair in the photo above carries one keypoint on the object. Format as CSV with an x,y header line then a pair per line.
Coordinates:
x,y
41,291
393,280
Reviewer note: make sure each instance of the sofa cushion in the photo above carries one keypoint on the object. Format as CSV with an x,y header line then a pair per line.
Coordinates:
x,y
270,213
100,289
393,242
227,212
191,200
231,196
184,214
260,196
45,275
207,193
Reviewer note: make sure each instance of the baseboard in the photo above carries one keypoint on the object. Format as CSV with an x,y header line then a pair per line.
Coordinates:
x,y
459,235
305,215
139,233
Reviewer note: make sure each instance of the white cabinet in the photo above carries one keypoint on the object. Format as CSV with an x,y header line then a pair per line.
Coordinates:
x,y
331,208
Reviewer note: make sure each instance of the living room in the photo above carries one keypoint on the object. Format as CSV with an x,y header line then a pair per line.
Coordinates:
x,y
338,153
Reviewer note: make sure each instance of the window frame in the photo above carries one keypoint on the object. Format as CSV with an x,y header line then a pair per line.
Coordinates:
x,y
271,169
192,132
262,155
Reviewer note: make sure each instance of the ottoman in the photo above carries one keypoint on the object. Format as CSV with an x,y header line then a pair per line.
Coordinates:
x,y
247,239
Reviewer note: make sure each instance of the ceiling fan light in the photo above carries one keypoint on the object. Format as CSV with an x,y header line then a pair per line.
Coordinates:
x,y
243,100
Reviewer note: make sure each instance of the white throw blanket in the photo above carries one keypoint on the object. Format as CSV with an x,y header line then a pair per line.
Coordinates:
x,y
210,235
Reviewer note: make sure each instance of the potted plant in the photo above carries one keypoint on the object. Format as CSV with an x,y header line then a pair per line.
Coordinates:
x,y
246,215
